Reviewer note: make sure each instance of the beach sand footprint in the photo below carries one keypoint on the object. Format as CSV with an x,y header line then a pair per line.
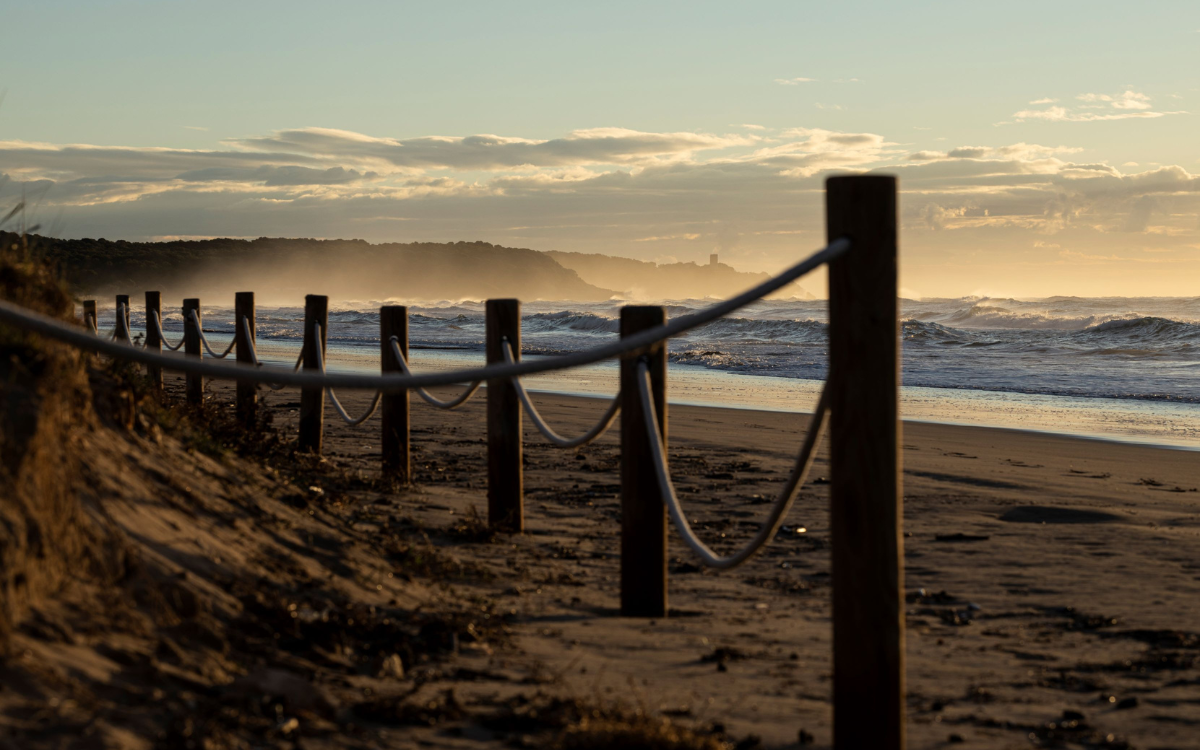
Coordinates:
x,y
1051,514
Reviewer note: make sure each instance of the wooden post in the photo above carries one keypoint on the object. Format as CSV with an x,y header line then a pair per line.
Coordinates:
x,y
191,347
865,492
90,319
247,392
153,340
312,400
121,321
393,410
643,514
506,504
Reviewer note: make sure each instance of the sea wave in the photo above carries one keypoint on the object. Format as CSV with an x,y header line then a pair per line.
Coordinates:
x,y
570,320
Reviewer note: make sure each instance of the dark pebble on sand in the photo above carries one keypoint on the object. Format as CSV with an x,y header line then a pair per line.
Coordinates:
x,y
806,738
955,739
961,538
1126,703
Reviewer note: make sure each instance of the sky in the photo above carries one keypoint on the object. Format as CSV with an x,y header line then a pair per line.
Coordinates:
x,y
1042,148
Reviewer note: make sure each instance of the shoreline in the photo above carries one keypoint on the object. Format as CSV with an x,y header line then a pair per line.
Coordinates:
x,y
1135,421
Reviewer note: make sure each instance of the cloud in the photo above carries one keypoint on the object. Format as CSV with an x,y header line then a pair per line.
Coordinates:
x,y
491,152
685,236
607,190
820,105
1127,100
1022,151
194,127
1044,101
1095,108
277,176
748,126
794,81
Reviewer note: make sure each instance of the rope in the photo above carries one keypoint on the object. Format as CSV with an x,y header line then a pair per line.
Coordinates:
x,y
162,337
247,334
597,430
778,511
448,404
317,347
204,339
392,383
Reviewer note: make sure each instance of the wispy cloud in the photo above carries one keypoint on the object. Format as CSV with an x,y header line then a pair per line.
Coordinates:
x,y
821,105
1126,100
685,236
794,81
493,152
194,127
1095,108
748,126
1044,101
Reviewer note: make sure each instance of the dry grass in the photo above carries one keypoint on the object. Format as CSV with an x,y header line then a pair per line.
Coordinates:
x,y
46,534
578,724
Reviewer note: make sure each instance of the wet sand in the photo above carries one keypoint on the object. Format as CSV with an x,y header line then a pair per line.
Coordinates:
x,y
1053,583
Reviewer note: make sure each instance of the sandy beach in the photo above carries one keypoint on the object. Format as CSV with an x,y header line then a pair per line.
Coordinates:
x,y
1053,583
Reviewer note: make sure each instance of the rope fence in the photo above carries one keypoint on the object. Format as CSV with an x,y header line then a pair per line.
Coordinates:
x,y
858,404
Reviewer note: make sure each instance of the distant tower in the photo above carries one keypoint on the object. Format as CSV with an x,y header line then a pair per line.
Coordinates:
x,y
712,259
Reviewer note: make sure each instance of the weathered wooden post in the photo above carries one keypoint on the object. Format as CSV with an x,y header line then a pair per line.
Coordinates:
x,y
312,400
122,318
153,338
247,392
90,319
393,410
506,505
865,492
643,514
191,347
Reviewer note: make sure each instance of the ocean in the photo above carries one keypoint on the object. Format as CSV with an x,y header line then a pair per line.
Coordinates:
x,y
1120,368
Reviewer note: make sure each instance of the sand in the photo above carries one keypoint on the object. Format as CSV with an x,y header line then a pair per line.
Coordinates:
x,y
1053,583
1075,583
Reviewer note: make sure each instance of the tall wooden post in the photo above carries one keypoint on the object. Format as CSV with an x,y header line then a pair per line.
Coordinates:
x,y
247,392
191,347
643,514
506,504
122,318
153,339
90,319
393,410
312,400
865,493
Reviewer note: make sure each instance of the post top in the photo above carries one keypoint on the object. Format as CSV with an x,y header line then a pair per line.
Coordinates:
x,y
864,179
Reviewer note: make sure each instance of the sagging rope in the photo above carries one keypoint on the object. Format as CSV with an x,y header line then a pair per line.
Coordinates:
x,y
601,427
318,349
247,334
397,383
204,339
437,403
778,511
162,337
